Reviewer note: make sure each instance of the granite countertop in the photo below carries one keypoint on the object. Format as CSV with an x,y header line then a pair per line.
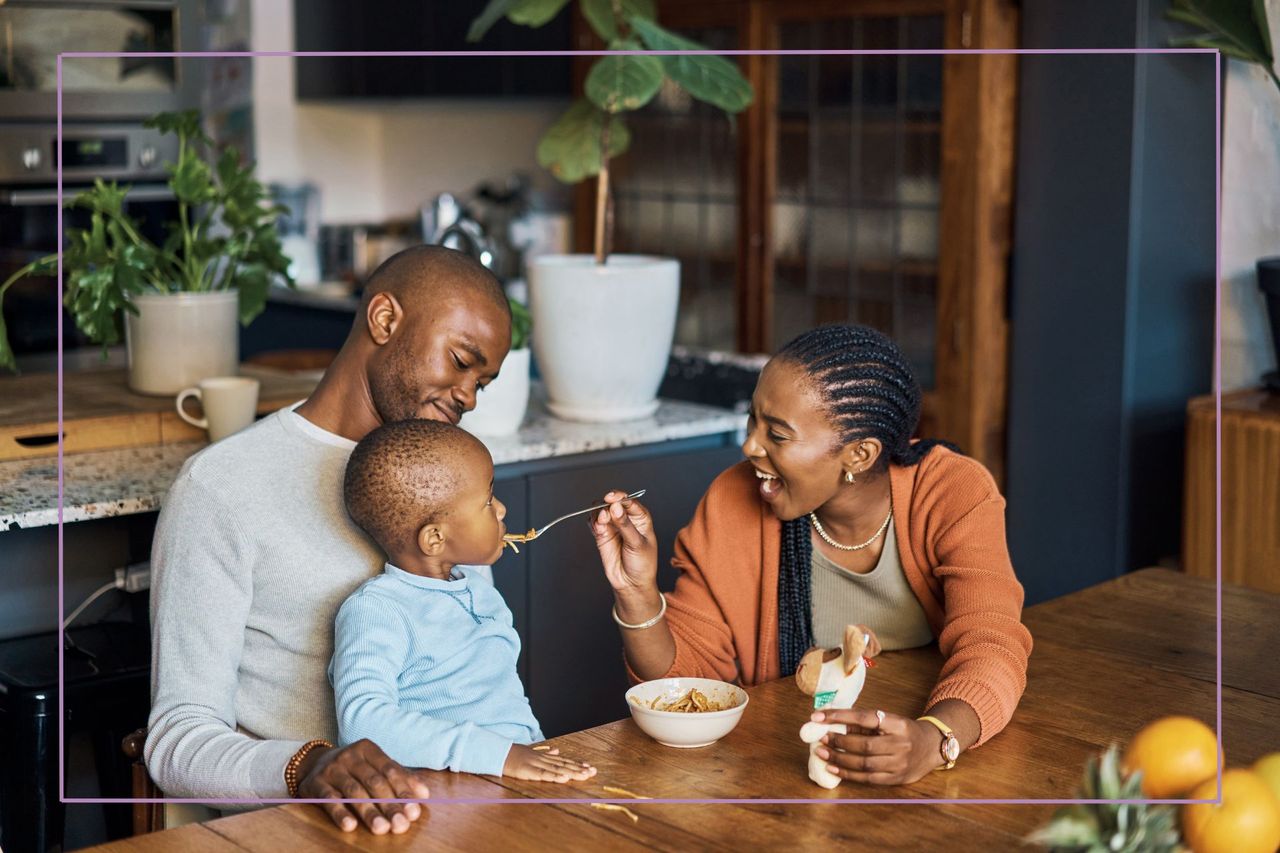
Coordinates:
x,y
101,484
110,483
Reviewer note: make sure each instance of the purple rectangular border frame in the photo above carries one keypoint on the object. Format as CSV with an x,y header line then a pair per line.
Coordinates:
x,y
1217,393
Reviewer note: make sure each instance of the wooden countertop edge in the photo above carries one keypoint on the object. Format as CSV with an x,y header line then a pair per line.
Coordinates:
x,y
110,432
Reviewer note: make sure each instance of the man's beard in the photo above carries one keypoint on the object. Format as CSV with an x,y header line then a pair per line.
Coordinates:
x,y
389,389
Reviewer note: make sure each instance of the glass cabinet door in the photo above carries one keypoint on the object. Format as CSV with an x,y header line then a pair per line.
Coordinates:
x,y
675,193
868,189
856,201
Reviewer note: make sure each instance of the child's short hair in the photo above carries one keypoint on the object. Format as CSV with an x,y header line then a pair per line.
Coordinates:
x,y
403,475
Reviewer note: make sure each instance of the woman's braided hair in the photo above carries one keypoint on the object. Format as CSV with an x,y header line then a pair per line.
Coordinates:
x,y
869,391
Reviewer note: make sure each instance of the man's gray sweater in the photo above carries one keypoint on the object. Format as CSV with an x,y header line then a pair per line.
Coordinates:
x,y
253,554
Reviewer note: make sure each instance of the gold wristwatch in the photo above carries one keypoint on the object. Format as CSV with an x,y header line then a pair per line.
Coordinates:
x,y
950,747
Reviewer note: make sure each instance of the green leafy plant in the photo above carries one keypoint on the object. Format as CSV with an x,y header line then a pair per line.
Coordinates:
x,y
581,142
225,237
1110,827
1238,28
521,324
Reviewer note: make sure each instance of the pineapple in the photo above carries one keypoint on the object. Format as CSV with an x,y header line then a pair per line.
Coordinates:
x,y
1110,827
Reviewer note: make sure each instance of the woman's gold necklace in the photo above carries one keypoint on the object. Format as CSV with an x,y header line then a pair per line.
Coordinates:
x,y
817,525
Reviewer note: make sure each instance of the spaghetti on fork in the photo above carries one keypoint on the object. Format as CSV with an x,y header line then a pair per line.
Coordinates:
x,y
509,540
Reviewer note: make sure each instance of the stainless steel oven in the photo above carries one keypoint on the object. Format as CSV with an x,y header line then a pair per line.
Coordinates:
x,y
34,32
127,153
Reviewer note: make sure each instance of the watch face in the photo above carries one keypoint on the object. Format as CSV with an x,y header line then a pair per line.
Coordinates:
x,y
951,748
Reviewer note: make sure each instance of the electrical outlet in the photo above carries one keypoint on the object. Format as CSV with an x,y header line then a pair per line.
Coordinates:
x,y
137,577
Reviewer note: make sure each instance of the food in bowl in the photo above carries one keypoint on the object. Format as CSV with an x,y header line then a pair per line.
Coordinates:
x,y
693,702
667,709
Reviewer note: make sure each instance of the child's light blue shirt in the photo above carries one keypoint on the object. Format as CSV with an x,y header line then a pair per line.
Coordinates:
x,y
426,669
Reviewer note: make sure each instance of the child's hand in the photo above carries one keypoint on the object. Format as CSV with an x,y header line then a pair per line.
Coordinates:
x,y
526,763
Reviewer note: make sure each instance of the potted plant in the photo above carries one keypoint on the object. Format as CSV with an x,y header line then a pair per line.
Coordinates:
x,y
1241,31
500,407
586,308
175,304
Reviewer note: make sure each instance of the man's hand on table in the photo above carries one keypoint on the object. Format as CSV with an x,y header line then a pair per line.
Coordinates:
x,y
362,771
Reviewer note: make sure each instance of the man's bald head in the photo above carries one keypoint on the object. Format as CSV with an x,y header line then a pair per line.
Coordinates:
x,y
421,275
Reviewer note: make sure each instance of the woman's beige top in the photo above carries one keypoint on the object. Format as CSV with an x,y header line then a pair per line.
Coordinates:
x,y
881,599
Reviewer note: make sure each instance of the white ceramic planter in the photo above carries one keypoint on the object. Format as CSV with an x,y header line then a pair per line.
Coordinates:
x,y
602,334
500,407
180,338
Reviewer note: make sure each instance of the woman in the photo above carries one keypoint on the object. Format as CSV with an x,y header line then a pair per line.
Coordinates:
x,y
835,517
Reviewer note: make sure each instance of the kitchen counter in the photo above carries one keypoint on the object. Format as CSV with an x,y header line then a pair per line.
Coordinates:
x,y
327,295
111,483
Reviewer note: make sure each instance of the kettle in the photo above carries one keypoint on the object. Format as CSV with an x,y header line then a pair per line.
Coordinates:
x,y
448,223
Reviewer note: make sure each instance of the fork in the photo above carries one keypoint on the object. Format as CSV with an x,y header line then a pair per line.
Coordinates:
x,y
534,533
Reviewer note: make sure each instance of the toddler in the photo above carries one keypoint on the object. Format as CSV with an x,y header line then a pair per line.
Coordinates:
x,y
424,661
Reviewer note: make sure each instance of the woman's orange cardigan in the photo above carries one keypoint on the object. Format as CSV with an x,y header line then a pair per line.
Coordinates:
x,y
948,516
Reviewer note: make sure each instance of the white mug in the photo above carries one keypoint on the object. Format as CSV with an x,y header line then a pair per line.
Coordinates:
x,y
230,404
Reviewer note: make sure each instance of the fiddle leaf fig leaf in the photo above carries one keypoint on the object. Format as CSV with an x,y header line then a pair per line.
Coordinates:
x,y
570,149
708,78
624,82
534,13
600,15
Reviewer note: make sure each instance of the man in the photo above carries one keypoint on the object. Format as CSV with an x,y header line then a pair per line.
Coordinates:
x,y
253,554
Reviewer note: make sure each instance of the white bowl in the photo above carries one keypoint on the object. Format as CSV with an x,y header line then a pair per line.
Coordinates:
x,y
685,729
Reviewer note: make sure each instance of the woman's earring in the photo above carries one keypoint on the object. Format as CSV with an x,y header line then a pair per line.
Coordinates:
x,y
848,477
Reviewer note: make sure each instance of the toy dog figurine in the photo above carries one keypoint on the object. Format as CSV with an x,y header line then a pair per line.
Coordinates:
x,y
834,678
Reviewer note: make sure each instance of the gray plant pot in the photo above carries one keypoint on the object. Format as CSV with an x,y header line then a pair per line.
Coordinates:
x,y
177,339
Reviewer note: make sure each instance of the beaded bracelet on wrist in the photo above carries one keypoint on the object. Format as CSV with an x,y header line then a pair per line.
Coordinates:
x,y
291,779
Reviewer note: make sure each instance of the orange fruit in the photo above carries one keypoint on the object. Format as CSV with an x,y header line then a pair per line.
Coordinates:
x,y
1247,820
1268,767
1174,754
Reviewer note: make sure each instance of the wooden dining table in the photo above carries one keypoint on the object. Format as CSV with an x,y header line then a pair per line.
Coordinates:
x,y
1107,660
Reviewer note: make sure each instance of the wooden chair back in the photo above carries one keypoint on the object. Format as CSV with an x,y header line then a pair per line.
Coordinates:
x,y
147,817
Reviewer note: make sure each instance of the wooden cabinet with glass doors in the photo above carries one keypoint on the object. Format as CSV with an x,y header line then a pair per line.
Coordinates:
x,y
866,188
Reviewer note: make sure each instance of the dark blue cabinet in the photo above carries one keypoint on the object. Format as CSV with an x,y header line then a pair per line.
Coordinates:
x,y
571,662
1112,292
416,25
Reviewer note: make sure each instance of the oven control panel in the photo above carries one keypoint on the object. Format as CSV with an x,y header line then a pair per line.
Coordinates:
x,y
122,152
